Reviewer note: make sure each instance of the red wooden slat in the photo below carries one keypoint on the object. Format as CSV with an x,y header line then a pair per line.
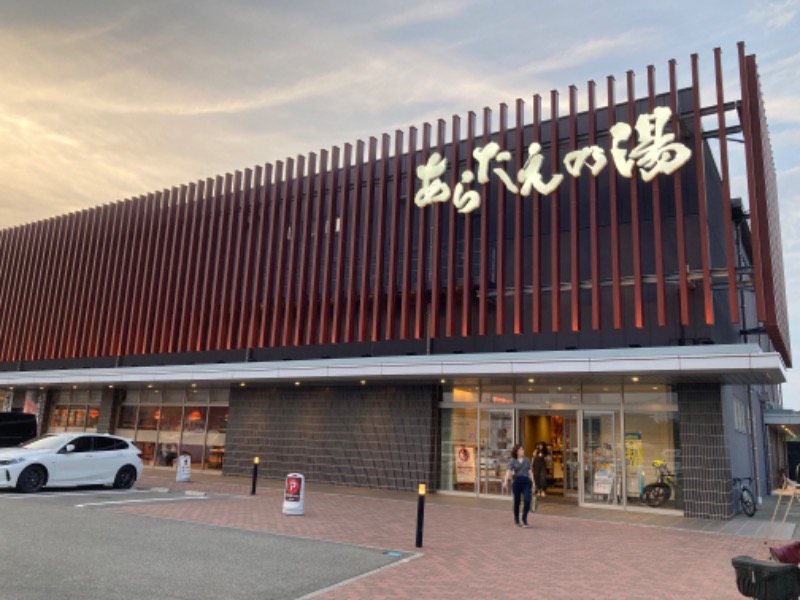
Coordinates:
x,y
422,241
483,242
391,290
408,236
730,260
279,286
555,232
317,253
72,299
434,323
452,233
466,286
261,196
574,249
519,262
150,275
356,209
165,291
89,286
500,246
205,289
291,276
272,237
23,292
594,226
39,248
657,231
249,281
366,248
6,243
45,277
222,235
536,251
683,283
306,251
193,276
67,290
330,235
635,233
238,285
380,240
14,282
127,277
179,285
341,247
616,280
701,195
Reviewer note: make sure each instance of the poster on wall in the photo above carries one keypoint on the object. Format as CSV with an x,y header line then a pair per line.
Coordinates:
x,y
465,464
603,479
633,460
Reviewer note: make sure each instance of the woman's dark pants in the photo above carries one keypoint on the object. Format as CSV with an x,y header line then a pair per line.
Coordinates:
x,y
522,488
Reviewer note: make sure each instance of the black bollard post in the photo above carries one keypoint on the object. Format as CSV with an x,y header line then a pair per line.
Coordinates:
x,y
255,475
420,514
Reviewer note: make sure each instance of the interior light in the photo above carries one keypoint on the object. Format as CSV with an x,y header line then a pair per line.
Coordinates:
x,y
531,380
243,384
363,382
297,383
442,381
634,379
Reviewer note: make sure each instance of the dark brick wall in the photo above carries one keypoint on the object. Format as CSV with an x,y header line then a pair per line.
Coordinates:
x,y
377,437
704,453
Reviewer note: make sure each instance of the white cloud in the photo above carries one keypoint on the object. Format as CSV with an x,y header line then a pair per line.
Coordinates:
x,y
775,15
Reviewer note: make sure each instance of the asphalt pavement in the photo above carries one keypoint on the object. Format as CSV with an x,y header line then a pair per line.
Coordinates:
x,y
211,538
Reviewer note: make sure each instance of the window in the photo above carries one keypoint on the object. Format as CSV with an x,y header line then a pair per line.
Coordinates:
x,y
82,444
105,444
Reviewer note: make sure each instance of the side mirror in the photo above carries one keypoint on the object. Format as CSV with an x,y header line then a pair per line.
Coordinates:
x,y
69,448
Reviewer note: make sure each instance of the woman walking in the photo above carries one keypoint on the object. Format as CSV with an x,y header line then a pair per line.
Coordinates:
x,y
540,468
519,469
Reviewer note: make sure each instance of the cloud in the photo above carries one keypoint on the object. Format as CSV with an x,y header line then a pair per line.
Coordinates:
x,y
775,15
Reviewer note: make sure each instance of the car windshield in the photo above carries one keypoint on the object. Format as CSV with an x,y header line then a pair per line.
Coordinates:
x,y
46,442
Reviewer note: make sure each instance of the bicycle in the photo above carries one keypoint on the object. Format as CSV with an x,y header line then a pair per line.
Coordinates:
x,y
744,495
656,494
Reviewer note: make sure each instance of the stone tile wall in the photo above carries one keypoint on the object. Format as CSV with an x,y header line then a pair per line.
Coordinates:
x,y
368,436
704,454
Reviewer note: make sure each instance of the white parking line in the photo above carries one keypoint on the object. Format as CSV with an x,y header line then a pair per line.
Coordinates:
x,y
43,495
181,499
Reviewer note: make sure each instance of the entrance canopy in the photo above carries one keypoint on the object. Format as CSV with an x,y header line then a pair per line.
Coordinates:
x,y
731,364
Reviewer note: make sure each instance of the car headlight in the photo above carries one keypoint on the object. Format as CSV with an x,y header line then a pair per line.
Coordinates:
x,y
11,461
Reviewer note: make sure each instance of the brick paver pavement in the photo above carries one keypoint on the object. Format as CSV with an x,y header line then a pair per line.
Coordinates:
x,y
476,552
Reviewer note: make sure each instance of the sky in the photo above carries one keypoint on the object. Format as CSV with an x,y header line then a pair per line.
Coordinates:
x,y
106,100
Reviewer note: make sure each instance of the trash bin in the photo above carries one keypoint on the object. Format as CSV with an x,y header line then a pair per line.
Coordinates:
x,y
294,495
184,472
766,580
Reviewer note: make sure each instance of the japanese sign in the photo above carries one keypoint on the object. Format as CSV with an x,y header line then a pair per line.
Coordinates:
x,y
656,153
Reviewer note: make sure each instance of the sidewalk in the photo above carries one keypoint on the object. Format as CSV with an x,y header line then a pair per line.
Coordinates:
x,y
471,548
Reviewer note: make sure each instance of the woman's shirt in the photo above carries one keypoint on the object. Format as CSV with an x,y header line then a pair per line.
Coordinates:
x,y
519,467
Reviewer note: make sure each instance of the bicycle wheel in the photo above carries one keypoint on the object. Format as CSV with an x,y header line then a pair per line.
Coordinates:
x,y
656,494
748,502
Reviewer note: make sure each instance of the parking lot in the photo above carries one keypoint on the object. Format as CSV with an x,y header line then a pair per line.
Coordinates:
x,y
80,544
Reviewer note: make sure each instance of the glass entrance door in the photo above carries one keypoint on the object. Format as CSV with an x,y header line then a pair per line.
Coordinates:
x,y
497,439
602,458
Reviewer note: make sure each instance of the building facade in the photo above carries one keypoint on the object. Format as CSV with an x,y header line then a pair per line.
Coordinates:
x,y
407,309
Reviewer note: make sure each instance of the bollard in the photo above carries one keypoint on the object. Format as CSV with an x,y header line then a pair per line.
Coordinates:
x,y
255,475
420,514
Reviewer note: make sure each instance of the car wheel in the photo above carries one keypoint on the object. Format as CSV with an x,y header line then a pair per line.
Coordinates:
x,y
32,479
125,478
